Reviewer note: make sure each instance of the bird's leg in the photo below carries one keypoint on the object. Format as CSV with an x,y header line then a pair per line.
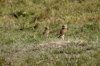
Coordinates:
x,y
62,37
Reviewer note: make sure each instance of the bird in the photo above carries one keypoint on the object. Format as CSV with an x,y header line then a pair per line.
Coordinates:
x,y
62,32
46,31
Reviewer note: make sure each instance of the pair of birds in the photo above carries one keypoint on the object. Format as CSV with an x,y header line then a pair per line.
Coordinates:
x,y
62,31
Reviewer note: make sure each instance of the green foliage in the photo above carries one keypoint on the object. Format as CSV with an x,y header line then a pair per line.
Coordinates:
x,y
20,13
93,26
98,4
22,23
2,60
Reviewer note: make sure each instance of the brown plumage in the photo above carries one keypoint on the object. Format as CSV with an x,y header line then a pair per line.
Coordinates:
x,y
62,32
46,32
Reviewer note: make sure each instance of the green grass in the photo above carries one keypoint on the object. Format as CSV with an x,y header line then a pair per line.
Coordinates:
x,y
21,33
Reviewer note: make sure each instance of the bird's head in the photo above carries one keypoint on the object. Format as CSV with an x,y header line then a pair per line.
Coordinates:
x,y
47,27
64,26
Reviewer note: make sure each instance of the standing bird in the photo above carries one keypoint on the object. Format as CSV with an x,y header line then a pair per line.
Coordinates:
x,y
62,31
46,32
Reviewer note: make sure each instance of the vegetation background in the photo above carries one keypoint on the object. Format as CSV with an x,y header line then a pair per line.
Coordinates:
x,y
22,23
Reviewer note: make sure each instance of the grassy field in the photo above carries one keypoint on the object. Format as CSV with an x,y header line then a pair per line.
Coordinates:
x,y
22,24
